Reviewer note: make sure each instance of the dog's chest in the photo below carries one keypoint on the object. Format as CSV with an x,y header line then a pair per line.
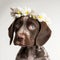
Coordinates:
x,y
30,57
31,54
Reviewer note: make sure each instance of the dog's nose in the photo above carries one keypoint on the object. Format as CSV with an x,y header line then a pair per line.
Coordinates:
x,y
21,36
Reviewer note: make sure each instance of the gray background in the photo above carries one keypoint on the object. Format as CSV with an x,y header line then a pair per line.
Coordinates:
x,y
50,7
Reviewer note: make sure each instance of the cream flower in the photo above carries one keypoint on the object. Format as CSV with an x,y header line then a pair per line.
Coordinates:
x,y
27,11
42,17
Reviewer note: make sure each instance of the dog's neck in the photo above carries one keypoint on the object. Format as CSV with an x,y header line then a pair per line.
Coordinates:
x,y
32,50
31,53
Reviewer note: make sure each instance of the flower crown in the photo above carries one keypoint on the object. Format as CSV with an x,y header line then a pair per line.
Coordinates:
x,y
23,12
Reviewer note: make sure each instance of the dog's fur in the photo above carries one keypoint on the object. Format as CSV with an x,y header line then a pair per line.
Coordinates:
x,y
31,35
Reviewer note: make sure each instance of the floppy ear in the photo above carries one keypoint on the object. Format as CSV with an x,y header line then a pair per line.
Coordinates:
x,y
11,32
43,34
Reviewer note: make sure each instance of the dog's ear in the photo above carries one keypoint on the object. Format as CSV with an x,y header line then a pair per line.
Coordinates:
x,y
43,34
11,32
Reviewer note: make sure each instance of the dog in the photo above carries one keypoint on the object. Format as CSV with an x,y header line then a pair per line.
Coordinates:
x,y
31,35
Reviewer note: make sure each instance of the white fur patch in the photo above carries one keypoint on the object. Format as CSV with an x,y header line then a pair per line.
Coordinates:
x,y
30,56
23,30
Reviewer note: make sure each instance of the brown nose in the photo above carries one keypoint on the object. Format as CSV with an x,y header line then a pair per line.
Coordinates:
x,y
21,36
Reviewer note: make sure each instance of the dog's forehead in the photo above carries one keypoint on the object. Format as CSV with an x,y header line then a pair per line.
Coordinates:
x,y
25,18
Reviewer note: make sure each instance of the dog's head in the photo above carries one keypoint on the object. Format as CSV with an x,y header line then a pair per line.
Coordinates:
x,y
28,31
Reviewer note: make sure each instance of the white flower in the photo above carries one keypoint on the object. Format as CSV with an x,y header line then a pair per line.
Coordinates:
x,y
16,12
27,11
42,17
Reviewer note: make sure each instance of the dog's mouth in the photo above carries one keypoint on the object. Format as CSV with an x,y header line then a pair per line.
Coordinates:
x,y
19,41
23,42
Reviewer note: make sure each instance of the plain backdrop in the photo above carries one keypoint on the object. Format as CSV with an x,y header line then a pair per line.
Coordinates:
x,y
50,7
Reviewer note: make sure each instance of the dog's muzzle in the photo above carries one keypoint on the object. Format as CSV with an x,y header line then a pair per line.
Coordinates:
x,y
22,40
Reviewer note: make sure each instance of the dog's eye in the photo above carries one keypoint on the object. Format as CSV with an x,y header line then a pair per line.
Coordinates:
x,y
18,25
32,27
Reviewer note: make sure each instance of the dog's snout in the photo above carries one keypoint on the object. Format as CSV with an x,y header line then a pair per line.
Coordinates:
x,y
21,36
20,39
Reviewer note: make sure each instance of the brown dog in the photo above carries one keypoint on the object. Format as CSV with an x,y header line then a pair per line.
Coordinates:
x,y
31,35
